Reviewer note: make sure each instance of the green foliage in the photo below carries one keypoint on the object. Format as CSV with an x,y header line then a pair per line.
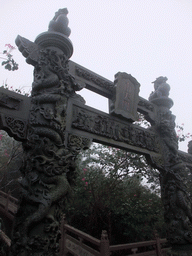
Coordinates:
x,y
8,61
118,191
20,90
182,136
10,161
109,195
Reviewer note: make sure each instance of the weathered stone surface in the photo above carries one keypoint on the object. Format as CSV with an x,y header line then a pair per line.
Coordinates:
x,y
47,160
54,125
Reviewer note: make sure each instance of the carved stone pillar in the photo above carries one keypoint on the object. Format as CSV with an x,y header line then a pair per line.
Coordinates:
x,y
177,204
49,154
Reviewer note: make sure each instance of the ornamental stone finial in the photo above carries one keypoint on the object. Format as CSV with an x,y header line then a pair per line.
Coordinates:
x,y
60,22
161,88
57,34
161,93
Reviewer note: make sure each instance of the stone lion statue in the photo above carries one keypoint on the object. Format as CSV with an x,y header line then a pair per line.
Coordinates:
x,y
161,88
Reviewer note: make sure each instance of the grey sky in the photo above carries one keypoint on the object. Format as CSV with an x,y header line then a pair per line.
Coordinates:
x,y
145,38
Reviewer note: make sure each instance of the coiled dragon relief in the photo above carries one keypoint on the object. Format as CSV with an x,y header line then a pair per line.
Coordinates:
x,y
175,198
48,159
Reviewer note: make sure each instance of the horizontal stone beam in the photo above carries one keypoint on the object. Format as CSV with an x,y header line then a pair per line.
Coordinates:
x,y
103,128
14,113
105,87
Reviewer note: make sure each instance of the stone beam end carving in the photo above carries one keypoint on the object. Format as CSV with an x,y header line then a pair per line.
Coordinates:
x,y
14,113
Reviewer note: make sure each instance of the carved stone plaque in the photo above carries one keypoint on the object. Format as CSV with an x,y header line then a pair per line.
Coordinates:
x,y
126,97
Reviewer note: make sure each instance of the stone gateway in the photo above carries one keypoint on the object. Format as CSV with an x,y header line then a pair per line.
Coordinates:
x,y
54,124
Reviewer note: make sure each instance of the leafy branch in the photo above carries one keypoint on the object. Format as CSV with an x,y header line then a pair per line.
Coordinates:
x,y
8,62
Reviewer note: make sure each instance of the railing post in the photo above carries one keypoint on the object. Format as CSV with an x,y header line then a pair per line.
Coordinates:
x,y
63,237
104,249
134,250
158,245
7,202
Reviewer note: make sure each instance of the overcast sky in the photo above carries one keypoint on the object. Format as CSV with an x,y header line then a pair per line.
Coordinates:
x,y
145,38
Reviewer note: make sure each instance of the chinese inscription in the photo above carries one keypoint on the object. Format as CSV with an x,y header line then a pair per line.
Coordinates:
x,y
115,129
126,96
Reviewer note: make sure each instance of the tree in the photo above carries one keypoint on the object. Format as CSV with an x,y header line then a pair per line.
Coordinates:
x,y
117,191
10,161
109,194
8,61
10,150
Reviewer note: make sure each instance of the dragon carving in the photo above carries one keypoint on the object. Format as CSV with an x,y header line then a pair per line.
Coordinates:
x,y
175,198
49,155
